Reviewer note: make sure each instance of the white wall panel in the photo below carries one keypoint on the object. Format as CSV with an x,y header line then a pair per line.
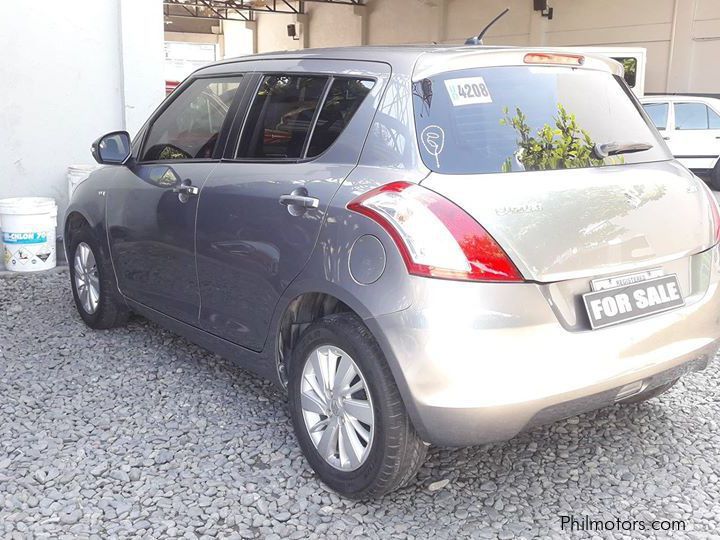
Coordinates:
x,y
69,73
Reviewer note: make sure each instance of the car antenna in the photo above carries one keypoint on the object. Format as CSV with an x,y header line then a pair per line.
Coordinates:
x,y
478,40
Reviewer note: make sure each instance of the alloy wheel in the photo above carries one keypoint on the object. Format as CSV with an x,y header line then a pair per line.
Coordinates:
x,y
337,408
87,281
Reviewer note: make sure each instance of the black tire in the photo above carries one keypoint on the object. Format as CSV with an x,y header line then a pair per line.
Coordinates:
x,y
649,394
112,311
396,451
715,177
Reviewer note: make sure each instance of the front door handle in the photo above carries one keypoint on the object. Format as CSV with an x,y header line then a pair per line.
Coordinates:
x,y
301,201
186,190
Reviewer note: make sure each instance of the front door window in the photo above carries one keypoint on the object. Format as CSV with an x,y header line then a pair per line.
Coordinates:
x,y
190,126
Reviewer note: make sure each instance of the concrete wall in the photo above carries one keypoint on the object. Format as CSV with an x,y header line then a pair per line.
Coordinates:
x,y
272,33
71,71
682,36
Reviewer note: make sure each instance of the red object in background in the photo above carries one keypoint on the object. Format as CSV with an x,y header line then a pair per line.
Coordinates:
x,y
170,86
275,136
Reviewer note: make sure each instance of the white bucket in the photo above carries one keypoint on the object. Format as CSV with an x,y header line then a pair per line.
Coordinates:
x,y
28,233
76,174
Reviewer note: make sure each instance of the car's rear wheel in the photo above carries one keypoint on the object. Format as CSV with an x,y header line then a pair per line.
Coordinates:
x,y
347,412
649,394
97,299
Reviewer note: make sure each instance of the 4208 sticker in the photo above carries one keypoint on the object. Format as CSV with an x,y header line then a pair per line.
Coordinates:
x,y
468,91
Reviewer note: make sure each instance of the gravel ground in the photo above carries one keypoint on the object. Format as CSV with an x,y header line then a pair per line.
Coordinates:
x,y
137,433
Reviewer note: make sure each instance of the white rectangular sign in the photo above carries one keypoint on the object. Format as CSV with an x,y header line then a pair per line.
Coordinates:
x,y
468,91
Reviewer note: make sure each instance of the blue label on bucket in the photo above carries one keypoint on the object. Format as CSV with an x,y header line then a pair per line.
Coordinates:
x,y
24,238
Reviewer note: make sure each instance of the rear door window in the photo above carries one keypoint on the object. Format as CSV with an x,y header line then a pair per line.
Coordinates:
x,y
658,113
691,116
280,118
515,118
189,128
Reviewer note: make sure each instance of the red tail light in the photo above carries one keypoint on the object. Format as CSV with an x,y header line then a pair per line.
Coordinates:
x,y
435,237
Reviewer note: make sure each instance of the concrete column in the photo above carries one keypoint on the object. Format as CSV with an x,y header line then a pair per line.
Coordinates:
x,y
361,13
439,34
538,29
252,26
681,47
301,21
142,57
240,38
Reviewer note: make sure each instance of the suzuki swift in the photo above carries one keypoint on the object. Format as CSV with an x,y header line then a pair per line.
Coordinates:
x,y
423,245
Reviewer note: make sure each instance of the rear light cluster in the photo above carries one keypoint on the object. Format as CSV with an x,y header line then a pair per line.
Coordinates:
x,y
435,237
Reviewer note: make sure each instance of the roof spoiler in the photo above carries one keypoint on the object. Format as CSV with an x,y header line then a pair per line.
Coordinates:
x,y
479,39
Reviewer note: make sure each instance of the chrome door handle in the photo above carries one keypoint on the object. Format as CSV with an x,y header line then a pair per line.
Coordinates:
x,y
300,201
187,189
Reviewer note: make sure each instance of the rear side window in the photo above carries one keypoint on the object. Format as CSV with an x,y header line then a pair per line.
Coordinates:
x,y
503,119
190,126
713,119
658,113
695,116
343,99
691,116
281,116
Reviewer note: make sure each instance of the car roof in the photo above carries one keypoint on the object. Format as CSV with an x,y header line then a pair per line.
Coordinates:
x,y
405,58
679,97
364,52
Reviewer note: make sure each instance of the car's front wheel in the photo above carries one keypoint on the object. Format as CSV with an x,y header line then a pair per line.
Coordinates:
x,y
97,299
347,412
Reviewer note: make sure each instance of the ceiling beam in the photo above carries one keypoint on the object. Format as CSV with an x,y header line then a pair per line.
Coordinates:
x,y
243,9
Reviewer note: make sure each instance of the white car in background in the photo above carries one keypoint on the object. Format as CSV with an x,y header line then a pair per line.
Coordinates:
x,y
691,127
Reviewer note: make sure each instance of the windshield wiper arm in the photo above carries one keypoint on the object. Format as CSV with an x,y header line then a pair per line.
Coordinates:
x,y
613,149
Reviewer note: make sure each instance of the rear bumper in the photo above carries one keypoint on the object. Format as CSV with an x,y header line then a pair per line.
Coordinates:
x,y
480,362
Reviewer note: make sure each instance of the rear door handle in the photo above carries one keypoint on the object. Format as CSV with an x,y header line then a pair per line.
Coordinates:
x,y
300,201
668,138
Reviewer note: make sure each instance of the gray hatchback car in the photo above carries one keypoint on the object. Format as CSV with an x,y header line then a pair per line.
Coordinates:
x,y
423,245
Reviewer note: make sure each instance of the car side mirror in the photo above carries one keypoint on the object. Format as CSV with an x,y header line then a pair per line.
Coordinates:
x,y
112,149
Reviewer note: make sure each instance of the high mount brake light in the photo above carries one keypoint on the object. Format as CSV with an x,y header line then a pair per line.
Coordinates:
x,y
435,237
548,58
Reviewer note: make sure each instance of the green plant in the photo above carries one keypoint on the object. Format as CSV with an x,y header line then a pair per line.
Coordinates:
x,y
562,146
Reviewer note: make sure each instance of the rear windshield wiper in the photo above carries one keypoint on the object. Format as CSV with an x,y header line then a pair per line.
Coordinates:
x,y
613,149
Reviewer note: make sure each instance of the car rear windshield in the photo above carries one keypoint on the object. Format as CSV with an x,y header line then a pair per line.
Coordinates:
x,y
519,118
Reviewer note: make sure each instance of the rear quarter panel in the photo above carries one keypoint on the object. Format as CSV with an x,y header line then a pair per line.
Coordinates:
x,y
328,269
